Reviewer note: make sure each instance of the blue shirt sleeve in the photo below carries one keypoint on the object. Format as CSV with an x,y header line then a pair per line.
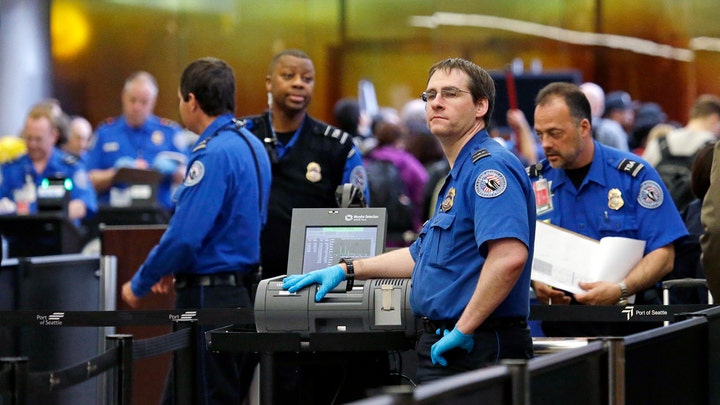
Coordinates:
x,y
198,207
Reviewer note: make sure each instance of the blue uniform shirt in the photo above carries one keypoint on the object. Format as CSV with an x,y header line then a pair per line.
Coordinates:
x,y
647,212
116,139
486,196
217,221
60,164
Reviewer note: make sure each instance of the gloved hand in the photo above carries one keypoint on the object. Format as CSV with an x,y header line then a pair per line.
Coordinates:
x,y
7,206
328,278
125,161
449,341
164,165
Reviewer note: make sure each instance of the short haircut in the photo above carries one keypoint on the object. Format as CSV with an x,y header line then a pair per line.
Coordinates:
x,y
145,76
288,52
212,81
481,84
572,94
705,106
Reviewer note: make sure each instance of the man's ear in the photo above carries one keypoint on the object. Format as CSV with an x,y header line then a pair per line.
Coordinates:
x,y
482,106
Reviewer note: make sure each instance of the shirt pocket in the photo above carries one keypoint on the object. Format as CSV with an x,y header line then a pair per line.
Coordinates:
x,y
440,239
618,225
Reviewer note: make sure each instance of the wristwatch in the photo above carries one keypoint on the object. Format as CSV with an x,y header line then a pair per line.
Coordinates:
x,y
350,277
623,294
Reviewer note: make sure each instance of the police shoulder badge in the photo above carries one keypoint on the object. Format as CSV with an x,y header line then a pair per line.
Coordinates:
x,y
195,174
490,183
651,194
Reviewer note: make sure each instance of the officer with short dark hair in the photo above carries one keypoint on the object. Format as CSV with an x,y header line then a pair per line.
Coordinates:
x,y
212,244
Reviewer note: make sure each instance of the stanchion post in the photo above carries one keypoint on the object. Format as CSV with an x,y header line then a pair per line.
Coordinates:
x,y
121,388
184,364
20,371
616,370
520,380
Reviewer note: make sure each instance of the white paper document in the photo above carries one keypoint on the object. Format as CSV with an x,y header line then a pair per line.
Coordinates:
x,y
563,258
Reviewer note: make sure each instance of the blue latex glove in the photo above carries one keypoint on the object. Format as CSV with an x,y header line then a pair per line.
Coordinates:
x,y
164,165
449,341
328,278
125,161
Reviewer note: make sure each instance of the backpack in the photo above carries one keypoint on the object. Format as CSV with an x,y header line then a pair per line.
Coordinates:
x,y
675,172
388,190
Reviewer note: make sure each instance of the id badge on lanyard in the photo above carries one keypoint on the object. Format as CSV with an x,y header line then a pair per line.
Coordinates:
x,y
543,199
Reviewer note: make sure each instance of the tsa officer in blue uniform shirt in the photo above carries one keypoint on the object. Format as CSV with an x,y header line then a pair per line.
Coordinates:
x,y
22,177
470,266
599,191
212,244
137,139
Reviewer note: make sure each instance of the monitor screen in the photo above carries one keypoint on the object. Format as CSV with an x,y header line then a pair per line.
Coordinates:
x,y
326,245
320,237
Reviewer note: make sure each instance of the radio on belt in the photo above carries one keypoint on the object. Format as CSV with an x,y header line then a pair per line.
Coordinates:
x,y
376,305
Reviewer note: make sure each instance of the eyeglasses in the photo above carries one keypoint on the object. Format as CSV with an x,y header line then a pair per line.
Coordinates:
x,y
446,93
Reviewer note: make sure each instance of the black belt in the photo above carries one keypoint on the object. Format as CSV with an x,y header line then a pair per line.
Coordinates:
x,y
207,280
489,324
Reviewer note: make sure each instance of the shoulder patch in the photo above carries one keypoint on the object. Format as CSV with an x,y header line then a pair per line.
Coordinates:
x,y
358,177
195,174
481,154
630,167
651,195
70,159
490,183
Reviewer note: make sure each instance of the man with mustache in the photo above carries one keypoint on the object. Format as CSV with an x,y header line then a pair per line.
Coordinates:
x,y
599,191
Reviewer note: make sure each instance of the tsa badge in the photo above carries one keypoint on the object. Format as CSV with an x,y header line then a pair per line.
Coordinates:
x,y
313,172
615,201
543,199
194,174
448,201
490,183
651,195
157,137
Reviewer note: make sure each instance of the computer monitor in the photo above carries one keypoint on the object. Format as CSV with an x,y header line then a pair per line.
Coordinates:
x,y
320,237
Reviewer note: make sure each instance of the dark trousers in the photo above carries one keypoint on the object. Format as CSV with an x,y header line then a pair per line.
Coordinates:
x,y
491,346
222,378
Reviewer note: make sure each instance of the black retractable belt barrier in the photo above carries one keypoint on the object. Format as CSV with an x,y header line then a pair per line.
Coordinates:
x,y
184,364
122,387
14,379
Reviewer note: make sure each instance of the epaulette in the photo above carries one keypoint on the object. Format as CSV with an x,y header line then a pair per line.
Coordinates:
x,y
534,170
70,159
480,154
336,133
202,145
630,166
